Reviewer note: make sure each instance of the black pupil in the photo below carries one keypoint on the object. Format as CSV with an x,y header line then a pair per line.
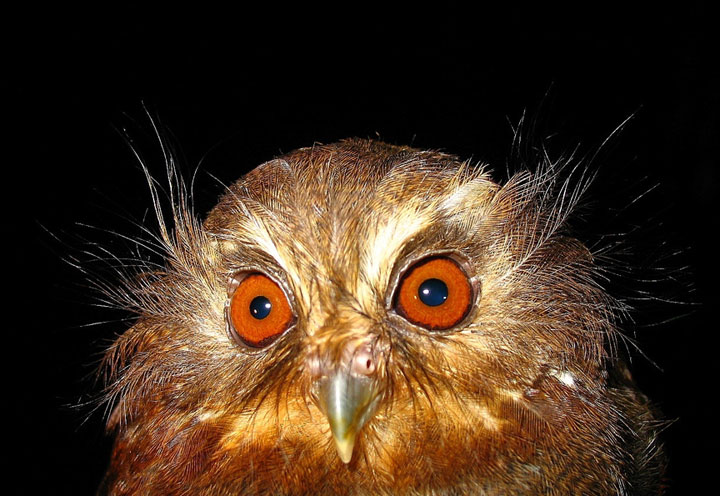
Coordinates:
x,y
260,307
433,292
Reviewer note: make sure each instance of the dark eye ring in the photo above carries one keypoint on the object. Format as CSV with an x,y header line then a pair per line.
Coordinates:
x,y
258,311
434,293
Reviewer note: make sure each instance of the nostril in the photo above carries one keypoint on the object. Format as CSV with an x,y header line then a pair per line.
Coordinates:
x,y
363,362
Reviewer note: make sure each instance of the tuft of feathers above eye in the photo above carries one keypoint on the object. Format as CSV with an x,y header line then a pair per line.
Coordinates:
x,y
363,318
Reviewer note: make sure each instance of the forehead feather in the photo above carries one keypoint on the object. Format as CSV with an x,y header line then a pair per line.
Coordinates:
x,y
346,208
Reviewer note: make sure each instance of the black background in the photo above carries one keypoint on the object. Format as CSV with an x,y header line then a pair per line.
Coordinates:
x,y
236,88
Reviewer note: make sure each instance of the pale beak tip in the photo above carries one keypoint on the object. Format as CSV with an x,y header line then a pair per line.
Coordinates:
x,y
348,402
345,449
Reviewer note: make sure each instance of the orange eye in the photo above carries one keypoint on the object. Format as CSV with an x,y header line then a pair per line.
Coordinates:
x,y
258,311
434,294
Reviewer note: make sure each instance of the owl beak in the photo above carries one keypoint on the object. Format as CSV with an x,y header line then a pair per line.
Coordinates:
x,y
348,401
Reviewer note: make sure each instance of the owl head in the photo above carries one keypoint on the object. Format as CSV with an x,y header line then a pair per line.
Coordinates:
x,y
361,318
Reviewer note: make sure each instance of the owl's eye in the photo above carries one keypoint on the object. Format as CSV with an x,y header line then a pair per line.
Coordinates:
x,y
258,311
434,293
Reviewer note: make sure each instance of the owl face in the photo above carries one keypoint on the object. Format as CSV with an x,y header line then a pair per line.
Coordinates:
x,y
364,318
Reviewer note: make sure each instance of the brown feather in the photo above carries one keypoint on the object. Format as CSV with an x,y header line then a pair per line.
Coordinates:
x,y
523,398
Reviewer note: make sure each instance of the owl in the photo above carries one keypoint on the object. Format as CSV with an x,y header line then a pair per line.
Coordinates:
x,y
368,319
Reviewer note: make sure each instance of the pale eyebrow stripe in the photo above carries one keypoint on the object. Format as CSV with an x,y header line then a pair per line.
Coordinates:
x,y
387,240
